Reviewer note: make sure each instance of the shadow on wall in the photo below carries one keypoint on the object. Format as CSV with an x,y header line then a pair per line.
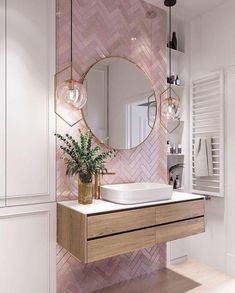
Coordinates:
x,y
72,276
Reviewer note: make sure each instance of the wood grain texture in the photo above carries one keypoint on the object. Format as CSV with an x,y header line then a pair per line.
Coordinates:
x,y
71,231
119,244
120,221
178,230
63,229
179,211
75,229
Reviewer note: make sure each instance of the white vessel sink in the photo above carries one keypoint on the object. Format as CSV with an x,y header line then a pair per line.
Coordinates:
x,y
133,193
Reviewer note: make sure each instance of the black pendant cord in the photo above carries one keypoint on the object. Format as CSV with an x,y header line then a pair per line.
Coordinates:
x,y
71,39
170,48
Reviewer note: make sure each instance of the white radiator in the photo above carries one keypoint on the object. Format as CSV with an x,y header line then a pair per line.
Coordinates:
x,y
207,120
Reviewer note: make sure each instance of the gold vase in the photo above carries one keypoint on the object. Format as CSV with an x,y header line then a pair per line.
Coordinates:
x,y
85,195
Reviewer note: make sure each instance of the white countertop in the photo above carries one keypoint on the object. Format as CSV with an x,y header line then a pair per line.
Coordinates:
x,y
101,206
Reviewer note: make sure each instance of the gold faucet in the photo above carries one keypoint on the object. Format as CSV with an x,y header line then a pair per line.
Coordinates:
x,y
97,183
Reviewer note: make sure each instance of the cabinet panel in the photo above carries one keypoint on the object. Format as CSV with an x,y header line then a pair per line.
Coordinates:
x,y
27,249
29,84
91,237
179,230
179,211
71,231
119,244
2,103
120,221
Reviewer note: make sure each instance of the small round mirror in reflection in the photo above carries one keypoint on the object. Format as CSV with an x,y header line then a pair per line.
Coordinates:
x,y
121,103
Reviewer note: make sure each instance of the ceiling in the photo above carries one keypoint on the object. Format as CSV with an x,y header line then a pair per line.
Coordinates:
x,y
189,9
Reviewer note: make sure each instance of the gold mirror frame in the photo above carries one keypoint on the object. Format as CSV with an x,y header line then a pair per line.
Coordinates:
x,y
153,94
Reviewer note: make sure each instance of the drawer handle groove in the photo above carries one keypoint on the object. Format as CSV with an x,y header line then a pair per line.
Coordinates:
x,y
139,229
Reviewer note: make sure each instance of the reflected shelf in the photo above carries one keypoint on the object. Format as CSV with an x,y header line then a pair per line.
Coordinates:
x,y
181,189
174,86
175,53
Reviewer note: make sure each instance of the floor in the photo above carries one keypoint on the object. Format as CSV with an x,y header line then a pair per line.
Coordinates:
x,y
189,276
164,281
211,280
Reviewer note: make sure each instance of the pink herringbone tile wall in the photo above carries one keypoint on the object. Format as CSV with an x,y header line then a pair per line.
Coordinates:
x,y
104,28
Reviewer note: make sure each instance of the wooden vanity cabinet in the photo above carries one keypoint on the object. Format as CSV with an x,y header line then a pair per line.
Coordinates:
x,y
92,237
116,222
102,248
179,211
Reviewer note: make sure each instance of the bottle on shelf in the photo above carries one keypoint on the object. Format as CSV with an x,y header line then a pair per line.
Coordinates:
x,y
171,79
171,181
168,147
174,149
169,45
179,149
177,81
177,182
174,41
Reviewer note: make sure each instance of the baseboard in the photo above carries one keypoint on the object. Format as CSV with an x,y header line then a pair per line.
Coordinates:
x,y
179,260
230,264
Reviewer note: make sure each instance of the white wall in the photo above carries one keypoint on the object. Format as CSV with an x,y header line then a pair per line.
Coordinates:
x,y
178,249
127,84
2,103
230,163
213,48
95,109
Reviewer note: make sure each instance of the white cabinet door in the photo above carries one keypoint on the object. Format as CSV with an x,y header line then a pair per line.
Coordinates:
x,y
30,52
2,103
28,249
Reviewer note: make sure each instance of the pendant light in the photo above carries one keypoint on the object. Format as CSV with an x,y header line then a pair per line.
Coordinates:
x,y
169,100
71,94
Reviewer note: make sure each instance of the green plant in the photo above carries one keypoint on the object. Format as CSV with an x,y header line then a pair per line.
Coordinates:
x,y
81,158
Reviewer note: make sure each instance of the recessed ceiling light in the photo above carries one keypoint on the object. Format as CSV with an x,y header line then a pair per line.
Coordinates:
x,y
133,39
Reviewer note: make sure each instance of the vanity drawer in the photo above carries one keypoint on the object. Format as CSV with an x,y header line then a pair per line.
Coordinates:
x,y
118,244
180,229
179,211
111,223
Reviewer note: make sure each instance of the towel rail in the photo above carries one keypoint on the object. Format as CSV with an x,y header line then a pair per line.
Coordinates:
x,y
206,83
207,120
209,96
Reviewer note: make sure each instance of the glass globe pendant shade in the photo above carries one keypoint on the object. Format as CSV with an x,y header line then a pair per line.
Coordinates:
x,y
72,93
170,108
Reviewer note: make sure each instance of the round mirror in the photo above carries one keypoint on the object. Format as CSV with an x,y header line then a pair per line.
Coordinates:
x,y
121,103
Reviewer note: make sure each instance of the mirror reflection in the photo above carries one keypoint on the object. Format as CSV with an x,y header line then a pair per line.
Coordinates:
x,y
121,106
